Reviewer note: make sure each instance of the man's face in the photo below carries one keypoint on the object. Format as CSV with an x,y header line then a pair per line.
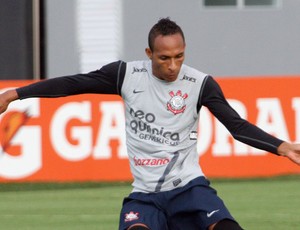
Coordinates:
x,y
167,56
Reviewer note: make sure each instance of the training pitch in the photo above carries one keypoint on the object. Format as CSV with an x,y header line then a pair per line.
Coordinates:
x,y
266,204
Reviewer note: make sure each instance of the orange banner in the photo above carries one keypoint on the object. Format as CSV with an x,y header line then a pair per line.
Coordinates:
x,y
82,138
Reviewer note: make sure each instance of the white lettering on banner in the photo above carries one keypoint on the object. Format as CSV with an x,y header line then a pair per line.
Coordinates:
x,y
29,139
296,107
270,118
112,113
82,134
222,146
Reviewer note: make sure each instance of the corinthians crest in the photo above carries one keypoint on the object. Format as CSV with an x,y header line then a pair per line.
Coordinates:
x,y
177,102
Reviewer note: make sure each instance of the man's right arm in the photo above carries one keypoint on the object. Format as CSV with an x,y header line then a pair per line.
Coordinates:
x,y
107,80
6,98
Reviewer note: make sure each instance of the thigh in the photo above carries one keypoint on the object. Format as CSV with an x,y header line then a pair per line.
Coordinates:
x,y
136,211
197,208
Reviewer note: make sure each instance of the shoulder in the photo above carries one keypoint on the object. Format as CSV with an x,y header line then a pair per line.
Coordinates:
x,y
138,66
191,74
192,69
114,66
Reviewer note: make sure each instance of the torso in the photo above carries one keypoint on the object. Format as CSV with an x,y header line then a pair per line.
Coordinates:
x,y
161,127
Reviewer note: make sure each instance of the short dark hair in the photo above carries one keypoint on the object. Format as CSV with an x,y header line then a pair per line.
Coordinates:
x,y
164,27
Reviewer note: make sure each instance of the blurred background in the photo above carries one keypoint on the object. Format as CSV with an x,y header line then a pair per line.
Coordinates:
x,y
237,39
225,38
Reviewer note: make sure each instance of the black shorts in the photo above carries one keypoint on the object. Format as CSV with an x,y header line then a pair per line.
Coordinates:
x,y
194,206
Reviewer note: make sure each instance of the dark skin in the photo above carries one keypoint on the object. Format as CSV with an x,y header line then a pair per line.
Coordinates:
x,y
167,56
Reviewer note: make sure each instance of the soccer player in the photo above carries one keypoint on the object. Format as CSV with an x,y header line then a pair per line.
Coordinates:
x,y
163,98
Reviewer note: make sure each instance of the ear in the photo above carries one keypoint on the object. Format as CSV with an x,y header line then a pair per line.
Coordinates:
x,y
148,53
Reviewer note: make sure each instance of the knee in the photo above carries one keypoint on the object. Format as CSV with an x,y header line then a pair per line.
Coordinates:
x,y
226,224
138,227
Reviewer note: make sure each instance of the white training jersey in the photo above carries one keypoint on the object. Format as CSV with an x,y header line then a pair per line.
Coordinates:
x,y
161,127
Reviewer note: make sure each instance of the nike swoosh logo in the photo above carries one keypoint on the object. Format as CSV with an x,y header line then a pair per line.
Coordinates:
x,y
138,91
209,214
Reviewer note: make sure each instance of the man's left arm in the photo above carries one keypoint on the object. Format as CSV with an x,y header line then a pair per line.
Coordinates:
x,y
291,151
242,130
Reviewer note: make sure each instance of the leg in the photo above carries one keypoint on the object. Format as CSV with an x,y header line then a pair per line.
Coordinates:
x,y
138,227
198,207
225,224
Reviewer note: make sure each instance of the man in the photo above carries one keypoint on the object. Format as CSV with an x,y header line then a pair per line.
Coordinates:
x,y
162,99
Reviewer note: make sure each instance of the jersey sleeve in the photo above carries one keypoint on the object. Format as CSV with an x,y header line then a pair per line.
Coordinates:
x,y
242,130
107,80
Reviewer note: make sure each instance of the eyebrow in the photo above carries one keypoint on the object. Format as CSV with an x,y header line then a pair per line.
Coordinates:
x,y
163,55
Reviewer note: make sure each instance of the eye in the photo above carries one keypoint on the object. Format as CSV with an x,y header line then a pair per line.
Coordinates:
x,y
163,58
179,55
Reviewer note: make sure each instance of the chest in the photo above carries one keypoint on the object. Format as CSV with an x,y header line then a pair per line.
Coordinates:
x,y
155,101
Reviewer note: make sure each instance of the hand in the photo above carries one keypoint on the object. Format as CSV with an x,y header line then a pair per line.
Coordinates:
x,y
291,151
6,98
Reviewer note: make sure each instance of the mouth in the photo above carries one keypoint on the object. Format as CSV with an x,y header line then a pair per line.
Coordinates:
x,y
168,77
172,76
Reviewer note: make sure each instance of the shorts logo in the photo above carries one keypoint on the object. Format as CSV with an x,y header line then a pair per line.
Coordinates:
x,y
209,214
177,102
131,216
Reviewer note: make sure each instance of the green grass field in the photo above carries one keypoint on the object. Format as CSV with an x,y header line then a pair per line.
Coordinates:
x,y
266,204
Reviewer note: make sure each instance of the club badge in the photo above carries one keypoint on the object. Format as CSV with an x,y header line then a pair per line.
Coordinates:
x,y
131,216
177,102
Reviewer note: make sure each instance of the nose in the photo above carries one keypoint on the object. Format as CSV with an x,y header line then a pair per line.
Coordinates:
x,y
172,64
